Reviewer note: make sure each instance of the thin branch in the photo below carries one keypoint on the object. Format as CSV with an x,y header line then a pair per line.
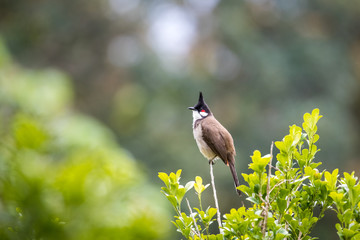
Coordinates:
x,y
269,174
215,197
276,185
275,197
267,204
279,183
261,198
193,218
276,169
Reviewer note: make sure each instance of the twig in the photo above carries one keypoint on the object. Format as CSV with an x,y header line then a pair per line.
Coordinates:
x,y
277,184
275,197
288,200
276,169
215,197
193,218
267,204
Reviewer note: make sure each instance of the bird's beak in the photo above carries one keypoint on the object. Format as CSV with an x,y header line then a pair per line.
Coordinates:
x,y
191,108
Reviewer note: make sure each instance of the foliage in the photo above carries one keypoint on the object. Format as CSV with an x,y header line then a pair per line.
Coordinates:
x,y
194,225
62,175
251,58
255,60
283,201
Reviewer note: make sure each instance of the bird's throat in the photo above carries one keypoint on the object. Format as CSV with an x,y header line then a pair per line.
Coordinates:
x,y
196,117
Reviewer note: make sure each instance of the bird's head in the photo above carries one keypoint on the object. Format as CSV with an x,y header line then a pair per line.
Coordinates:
x,y
201,109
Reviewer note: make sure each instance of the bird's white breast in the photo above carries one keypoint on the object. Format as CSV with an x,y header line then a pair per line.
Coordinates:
x,y
202,145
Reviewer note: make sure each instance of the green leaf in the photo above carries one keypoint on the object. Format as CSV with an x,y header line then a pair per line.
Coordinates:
x,y
280,146
309,124
301,179
295,132
201,213
172,200
316,138
288,142
259,163
294,224
316,115
256,188
309,171
165,191
281,203
338,198
212,212
245,189
253,200
282,231
288,217
164,177
178,173
173,179
347,215
315,165
338,227
348,234
350,180
283,159
284,193
331,179
215,237
281,234
180,193
189,185
198,186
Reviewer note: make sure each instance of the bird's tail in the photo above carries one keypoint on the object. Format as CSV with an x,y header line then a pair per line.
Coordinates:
x,y
235,177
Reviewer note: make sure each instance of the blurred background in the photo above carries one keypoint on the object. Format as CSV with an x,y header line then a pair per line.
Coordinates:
x,y
94,98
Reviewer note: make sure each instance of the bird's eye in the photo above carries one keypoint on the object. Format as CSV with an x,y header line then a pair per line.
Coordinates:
x,y
202,110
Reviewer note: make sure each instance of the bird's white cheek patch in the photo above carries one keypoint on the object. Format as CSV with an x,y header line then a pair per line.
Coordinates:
x,y
204,114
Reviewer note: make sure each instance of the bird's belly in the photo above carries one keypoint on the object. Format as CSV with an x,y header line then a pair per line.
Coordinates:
x,y
203,147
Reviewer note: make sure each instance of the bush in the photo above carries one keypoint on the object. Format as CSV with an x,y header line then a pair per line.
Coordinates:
x,y
283,195
62,174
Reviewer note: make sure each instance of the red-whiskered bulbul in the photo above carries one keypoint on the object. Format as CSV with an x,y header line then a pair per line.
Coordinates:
x,y
212,138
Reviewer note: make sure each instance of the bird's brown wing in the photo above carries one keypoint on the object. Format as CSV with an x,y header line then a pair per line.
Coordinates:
x,y
221,143
217,137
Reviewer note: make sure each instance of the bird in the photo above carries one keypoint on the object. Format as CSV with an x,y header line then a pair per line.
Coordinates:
x,y
212,138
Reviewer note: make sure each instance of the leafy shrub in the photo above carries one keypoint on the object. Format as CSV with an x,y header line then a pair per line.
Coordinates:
x,y
283,195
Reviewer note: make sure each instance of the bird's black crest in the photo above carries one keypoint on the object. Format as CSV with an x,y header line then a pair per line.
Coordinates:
x,y
201,105
201,99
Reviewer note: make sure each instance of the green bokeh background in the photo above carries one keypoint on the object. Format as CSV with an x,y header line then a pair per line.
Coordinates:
x,y
93,105
63,176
